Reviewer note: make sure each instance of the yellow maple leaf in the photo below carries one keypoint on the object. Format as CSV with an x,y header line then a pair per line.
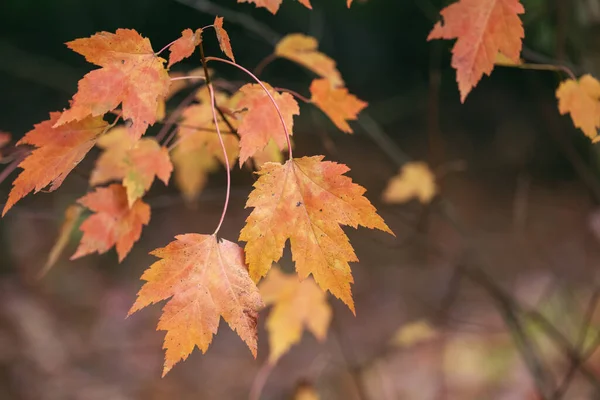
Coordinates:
x,y
413,333
582,100
415,179
296,304
302,49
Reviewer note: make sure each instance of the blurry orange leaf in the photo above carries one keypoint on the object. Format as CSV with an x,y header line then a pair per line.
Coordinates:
x,y
113,222
5,139
261,122
204,279
306,200
302,49
339,105
582,100
136,162
131,74
483,28
296,305
223,38
413,333
70,221
199,150
415,179
58,151
185,45
306,391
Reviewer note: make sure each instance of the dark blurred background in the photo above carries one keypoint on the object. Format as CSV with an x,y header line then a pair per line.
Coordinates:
x,y
522,180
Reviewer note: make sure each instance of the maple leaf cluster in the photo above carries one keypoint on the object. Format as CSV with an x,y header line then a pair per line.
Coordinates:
x,y
303,200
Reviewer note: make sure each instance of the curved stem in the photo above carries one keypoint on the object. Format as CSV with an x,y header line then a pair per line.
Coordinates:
x,y
216,120
294,93
263,63
179,78
543,67
166,47
285,129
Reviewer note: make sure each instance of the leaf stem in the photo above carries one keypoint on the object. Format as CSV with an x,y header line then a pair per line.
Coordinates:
x,y
214,113
542,67
174,115
263,63
294,93
166,47
285,129
179,78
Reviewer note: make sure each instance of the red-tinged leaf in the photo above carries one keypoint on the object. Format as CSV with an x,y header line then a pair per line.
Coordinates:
x,y
306,200
113,223
260,122
58,151
223,38
204,279
147,160
135,162
339,105
184,46
199,150
302,49
581,99
131,75
483,28
271,5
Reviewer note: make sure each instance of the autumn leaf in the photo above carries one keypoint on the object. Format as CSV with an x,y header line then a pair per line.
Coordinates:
x,y
199,152
582,100
296,305
415,179
306,200
223,38
70,222
271,153
483,28
184,46
260,122
58,151
339,105
273,5
204,279
306,391
131,75
135,162
413,333
302,49
113,223
5,139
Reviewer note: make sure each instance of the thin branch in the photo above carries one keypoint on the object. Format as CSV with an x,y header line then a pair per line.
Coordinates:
x,y
293,93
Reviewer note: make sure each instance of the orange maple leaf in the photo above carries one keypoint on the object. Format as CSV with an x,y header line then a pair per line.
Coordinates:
x,y
199,150
184,46
135,162
113,222
582,100
131,74
58,151
339,105
273,5
306,200
302,49
296,304
223,38
204,279
261,122
483,28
